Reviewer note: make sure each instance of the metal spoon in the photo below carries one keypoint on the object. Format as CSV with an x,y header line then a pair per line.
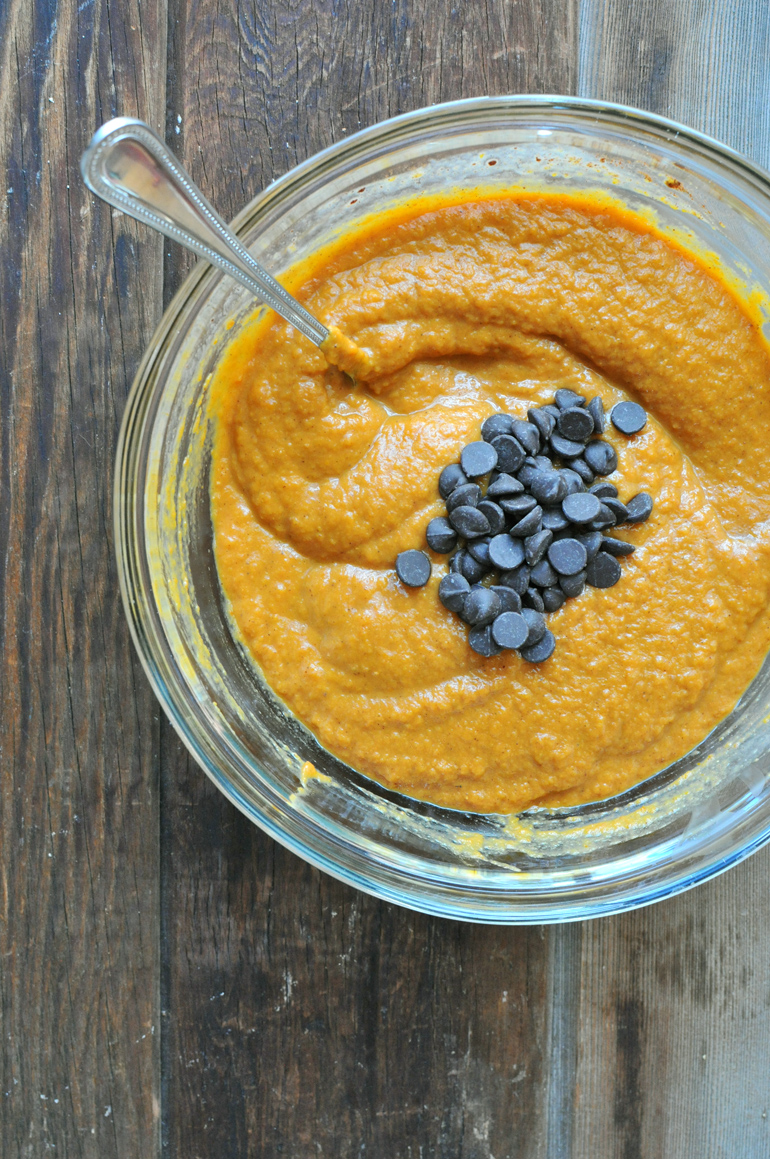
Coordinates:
x,y
129,166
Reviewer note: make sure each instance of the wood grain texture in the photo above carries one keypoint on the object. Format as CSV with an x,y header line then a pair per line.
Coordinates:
x,y
703,62
304,1017
673,1032
300,1017
674,1027
256,87
78,725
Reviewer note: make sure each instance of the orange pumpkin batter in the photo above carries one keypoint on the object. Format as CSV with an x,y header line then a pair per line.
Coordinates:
x,y
464,310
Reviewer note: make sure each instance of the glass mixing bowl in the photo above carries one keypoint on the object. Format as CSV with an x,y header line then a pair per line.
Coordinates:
x,y
687,823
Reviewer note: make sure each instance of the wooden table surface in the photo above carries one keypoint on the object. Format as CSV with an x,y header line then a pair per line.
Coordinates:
x,y
171,981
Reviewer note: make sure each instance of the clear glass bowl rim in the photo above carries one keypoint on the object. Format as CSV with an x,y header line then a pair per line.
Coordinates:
x,y
399,885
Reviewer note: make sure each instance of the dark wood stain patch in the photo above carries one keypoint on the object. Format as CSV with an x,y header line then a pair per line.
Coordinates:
x,y
78,725
627,1109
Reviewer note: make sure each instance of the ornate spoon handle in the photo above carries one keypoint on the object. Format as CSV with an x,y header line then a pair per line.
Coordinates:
x,y
129,166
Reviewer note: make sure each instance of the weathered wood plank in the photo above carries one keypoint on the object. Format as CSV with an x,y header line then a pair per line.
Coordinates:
x,y
703,62
78,725
674,1040
255,88
301,1017
674,1022
305,1018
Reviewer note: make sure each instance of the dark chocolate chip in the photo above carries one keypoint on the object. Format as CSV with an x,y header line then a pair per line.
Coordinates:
x,y
552,410
601,457
517,580
494,515
543,463
441,536
542,575
510,453
605,490
481,606
506,553
535,546
575,424
471,568
567,556
451,477
605,518
479,549
572,479
568,398
504,485
548,487
455,563
464,495
604,571
518,506
510,630
529,524
573,585
618,509
452,591
596,410
553,598
555,520
617,547
533,600
527,473
592,542
469,522
581,508
413,568
639,508
481,641
543,421
510,601
581,468
541,651
478,459
628,417
528,435
498,424
535,624
565,448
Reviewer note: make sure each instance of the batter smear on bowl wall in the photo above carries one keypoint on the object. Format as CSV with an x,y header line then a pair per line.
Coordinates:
x,y
465,311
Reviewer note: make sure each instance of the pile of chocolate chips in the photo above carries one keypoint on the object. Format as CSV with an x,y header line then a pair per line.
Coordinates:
x,y
536,533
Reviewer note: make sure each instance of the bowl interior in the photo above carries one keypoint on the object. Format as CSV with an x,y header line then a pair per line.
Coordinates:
x,y
689,821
